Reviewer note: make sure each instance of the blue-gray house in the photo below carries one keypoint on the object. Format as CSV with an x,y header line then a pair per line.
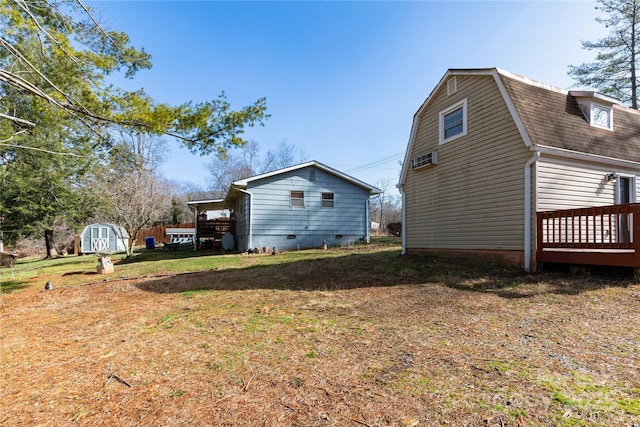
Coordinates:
x,y
300,207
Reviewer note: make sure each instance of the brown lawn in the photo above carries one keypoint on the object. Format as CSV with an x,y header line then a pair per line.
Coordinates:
x,y
370,338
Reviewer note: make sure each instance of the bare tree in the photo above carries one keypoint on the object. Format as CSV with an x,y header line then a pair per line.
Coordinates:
x,y
283,156
379,205
134,201
130,191
223,170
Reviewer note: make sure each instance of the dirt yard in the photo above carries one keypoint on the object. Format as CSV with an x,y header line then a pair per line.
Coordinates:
x,y
370,338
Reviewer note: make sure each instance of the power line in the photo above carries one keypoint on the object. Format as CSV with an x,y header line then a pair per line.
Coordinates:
x,y
378,162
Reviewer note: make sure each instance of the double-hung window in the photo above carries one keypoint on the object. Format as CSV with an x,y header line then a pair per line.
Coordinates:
x,y
296,199
453,121
327,200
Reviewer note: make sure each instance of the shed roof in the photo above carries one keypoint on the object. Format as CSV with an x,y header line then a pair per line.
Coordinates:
x,y
206,205
119,231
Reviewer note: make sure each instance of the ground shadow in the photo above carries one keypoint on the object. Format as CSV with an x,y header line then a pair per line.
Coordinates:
x,y
11,285
80,273
151,255
389,268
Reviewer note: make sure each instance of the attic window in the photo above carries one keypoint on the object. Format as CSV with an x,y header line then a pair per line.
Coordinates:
x,y
601,116
597,108
453,122
452,85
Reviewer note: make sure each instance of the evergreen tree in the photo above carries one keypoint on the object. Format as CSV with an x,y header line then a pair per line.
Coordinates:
x,y
57,114
614,72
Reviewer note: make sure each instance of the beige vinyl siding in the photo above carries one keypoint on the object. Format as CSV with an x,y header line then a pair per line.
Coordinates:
x,y
473,198
567,184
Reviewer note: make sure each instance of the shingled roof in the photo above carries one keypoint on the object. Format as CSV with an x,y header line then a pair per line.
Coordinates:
x,y
552,118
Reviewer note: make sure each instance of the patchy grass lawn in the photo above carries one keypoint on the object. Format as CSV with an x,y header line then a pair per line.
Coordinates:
x,y
357,336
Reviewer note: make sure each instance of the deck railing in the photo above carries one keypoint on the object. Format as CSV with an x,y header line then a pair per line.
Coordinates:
x,y
215,227
605,235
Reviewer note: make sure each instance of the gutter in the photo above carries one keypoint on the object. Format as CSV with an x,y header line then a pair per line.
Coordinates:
x,y
367,219
528,243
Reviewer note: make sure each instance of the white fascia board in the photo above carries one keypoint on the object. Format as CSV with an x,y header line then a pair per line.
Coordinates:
x,y
416,117
242,183
512,109
407,155
210,204
595,95
416,123
577,155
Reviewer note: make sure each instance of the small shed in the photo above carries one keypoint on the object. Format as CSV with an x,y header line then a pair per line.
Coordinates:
x,y
103,237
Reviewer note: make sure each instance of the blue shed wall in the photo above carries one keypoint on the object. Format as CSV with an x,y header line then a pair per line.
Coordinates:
x,y
274,222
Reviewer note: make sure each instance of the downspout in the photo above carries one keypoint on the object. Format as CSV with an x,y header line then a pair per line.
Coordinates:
x,y
367,220
250,215
404,221
528,242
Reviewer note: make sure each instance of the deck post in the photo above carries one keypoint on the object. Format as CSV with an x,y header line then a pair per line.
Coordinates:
x,y
635,217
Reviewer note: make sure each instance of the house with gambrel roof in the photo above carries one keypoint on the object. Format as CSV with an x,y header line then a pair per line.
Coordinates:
x,y
501,165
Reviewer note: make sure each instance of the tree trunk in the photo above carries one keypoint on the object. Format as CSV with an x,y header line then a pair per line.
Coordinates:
x,y
50,244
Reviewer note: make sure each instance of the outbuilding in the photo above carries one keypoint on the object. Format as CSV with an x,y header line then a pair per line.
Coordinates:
x,y
103,237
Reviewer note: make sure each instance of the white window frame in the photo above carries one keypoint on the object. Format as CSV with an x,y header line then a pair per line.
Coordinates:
x,y
594,106
460,104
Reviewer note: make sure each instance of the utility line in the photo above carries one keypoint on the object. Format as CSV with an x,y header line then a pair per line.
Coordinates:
x,y
377,162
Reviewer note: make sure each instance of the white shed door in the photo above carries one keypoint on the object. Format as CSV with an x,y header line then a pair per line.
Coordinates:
x,y
99,239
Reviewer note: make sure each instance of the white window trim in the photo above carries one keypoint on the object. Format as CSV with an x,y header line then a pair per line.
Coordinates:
x,y
450,109
595,105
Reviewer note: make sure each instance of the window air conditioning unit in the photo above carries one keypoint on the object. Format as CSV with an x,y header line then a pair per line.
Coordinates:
x,y
430,158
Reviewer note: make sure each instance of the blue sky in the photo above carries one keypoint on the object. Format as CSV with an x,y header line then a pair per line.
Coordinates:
x,y
342,79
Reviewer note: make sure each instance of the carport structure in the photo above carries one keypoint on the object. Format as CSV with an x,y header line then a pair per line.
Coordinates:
x,y
209,232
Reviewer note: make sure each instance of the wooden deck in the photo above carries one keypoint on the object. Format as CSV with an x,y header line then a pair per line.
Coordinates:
x,y
209,232
603,235
215,227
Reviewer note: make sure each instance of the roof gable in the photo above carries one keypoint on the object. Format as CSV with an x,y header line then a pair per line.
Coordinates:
x,y
242,183
551,117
